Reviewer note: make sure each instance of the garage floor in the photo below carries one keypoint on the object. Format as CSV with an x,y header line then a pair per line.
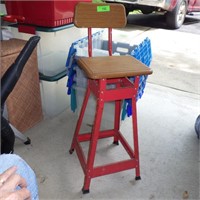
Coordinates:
x,y
169,153
169,148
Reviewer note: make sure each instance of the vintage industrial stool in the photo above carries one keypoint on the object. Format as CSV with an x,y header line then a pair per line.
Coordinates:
x,y
102,71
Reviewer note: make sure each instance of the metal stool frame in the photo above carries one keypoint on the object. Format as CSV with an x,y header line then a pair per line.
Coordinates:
x,y
97,84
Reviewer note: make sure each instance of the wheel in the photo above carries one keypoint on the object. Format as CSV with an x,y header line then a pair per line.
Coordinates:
x,y
146,10
28,141
197,126
176,17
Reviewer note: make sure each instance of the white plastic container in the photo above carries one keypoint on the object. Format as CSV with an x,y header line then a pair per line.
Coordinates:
x,y
52,52
108,112
54,97
54,63
53,47
80,78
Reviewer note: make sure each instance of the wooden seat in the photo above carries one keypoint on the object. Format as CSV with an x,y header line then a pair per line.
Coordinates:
x,y
112,67
102,71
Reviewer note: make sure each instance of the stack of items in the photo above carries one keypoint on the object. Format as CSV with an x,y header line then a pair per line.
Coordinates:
x,y
142,53
75,74
77,81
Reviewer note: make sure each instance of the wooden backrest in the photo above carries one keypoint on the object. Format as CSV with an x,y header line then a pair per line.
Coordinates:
x,y
95,15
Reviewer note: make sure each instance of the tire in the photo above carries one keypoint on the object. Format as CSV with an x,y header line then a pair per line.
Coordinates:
x,y
197,126
146,11
176,17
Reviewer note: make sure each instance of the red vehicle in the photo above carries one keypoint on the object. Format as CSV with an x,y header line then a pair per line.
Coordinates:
x,y
175,10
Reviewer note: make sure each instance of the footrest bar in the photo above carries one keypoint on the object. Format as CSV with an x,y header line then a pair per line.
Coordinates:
x,y
103,134
114,167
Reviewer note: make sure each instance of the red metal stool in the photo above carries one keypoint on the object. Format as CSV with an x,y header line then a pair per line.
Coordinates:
x,y
102,71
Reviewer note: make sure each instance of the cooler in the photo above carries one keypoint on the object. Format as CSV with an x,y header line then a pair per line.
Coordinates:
x,y
52,13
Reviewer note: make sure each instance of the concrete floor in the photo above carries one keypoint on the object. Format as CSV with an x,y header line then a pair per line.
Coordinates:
x,y
169,153
169,148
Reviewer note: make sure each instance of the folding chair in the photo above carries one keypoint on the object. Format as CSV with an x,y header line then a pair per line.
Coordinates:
x,y
8,82
101,72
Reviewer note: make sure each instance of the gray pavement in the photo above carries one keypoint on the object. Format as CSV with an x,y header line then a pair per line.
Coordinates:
x,y
176,60
190,25
169,148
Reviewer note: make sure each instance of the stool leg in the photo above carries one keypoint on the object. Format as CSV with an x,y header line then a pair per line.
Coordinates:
x,y
135,138
117,121
80,119
93,145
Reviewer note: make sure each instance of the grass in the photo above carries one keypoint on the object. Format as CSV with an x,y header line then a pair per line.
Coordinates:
x,y
97,1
